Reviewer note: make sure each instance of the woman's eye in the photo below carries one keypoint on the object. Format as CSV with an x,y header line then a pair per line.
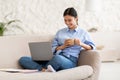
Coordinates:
x,y
69,20
65,20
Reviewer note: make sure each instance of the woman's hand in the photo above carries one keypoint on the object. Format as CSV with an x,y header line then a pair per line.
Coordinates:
x,y
77,42
69,42
61,47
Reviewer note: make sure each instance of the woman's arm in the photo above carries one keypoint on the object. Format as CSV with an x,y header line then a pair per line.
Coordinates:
x,y
85,46
60,47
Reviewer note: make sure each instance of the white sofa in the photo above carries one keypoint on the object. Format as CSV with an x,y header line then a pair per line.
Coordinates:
x,y
14,47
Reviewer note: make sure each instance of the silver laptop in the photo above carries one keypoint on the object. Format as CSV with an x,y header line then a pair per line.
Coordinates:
x,y
41,51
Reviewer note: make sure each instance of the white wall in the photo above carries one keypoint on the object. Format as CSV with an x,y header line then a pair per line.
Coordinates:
x,y
46,16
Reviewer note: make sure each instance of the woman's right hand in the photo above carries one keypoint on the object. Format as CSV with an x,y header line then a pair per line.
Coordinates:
x,y
67,43
61,47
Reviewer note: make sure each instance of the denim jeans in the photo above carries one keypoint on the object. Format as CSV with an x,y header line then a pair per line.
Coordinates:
x,y
58,62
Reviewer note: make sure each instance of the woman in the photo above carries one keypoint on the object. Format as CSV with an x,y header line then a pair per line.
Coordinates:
x,y
66,46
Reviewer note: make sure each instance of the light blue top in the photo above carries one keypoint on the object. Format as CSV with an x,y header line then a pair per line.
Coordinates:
x,y
66,33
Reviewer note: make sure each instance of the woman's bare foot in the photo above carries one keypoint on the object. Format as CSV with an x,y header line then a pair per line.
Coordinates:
x,y
43,70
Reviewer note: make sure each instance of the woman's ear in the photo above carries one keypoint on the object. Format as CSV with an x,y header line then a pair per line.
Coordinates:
x,y
77,19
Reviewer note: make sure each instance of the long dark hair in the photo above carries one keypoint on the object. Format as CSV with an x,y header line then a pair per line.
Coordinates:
x,y
71,11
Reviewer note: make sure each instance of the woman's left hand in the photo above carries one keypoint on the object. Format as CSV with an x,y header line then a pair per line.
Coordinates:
x,y
77,42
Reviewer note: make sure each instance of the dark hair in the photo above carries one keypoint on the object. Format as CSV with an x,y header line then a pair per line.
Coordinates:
x,y
70,11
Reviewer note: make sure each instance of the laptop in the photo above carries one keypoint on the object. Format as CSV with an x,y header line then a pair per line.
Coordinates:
x,y
41,51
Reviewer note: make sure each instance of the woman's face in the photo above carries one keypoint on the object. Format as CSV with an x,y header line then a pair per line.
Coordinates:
x,y
70,21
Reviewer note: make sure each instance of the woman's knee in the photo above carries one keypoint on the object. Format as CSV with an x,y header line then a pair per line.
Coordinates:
x,y
59,58
24,59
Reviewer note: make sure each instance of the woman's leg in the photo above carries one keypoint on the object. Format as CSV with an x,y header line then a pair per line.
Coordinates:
x,y
28,63
61,62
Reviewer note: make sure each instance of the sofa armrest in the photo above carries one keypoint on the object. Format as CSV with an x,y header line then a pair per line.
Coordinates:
x,y
91,58
77,73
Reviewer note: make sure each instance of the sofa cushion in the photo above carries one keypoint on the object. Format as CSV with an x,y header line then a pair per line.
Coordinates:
x,y
77,73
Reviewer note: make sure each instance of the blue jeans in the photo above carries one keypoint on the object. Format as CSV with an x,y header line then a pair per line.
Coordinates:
x,y
58,62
